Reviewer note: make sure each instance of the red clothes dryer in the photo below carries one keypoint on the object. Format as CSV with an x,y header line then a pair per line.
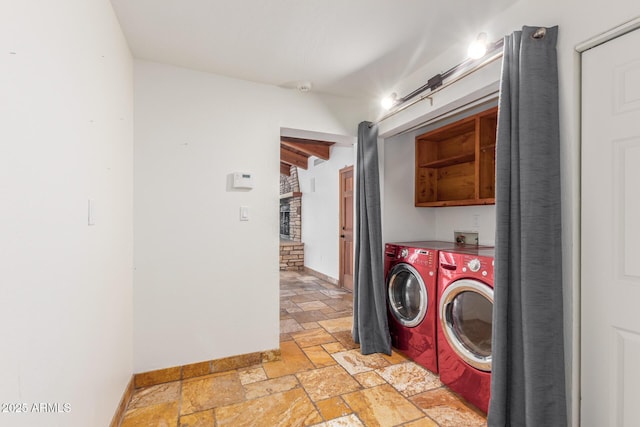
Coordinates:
x,y
411,281
465,320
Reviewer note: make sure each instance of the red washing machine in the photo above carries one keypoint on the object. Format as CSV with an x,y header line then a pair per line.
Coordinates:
x,y
411,280
465,319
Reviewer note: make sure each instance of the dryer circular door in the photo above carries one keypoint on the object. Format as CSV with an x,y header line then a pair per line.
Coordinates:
x,y
407,295
466,317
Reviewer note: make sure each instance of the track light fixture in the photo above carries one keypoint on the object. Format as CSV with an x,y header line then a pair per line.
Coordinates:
x,y
477,49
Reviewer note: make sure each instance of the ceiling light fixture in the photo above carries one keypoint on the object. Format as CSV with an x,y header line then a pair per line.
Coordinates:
x,y
478,48
389,101
304,87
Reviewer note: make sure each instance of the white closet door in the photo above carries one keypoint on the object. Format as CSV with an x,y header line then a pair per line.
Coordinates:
x,y
610,310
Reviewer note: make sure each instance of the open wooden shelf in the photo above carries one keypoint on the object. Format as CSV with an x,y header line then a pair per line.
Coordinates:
x,y
455,164
454,160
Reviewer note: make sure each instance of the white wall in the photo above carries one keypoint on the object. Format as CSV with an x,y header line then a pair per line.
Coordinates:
x,y
321,209
479,219
578,21
66,136
206,284
401,221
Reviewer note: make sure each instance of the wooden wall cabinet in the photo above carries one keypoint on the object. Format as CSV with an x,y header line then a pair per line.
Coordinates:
x,y
455,164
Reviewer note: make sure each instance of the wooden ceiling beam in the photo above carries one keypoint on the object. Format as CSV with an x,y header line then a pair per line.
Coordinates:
x,y
320,149
305,141
293,158
285,169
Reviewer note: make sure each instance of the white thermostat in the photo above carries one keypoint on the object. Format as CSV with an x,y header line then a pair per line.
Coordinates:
x,y
242,180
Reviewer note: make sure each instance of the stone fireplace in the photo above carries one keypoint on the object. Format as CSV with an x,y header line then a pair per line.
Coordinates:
x,y
285,219
290,218
291,246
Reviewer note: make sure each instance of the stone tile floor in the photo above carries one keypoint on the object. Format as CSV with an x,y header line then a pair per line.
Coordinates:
x,y
321,380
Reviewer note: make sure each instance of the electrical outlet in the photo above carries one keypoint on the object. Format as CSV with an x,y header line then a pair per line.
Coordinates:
x,y
465,237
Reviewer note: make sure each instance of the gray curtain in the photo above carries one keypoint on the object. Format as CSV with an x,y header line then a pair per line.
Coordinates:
x,y
528,375
370,327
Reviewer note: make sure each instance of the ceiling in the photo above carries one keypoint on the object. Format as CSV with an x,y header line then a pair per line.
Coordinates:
x,y
355,48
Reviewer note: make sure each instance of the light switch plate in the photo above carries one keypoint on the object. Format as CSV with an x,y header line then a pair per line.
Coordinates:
x,y
244,213
465,237
91,212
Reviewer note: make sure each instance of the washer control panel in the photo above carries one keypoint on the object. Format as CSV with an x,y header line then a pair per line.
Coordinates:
x,y
474,265
414,256
481,265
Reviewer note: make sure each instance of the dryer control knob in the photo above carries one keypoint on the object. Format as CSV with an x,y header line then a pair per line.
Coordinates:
x,y
474,265
404,253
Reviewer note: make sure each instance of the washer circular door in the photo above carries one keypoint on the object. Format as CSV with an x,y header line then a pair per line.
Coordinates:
x,y
407,295
466,317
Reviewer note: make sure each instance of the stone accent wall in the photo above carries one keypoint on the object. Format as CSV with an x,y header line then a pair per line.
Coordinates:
x,y
290,184
292,248
291,256
295,219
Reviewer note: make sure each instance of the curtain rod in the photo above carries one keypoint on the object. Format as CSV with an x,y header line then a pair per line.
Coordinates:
x,y
436,84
